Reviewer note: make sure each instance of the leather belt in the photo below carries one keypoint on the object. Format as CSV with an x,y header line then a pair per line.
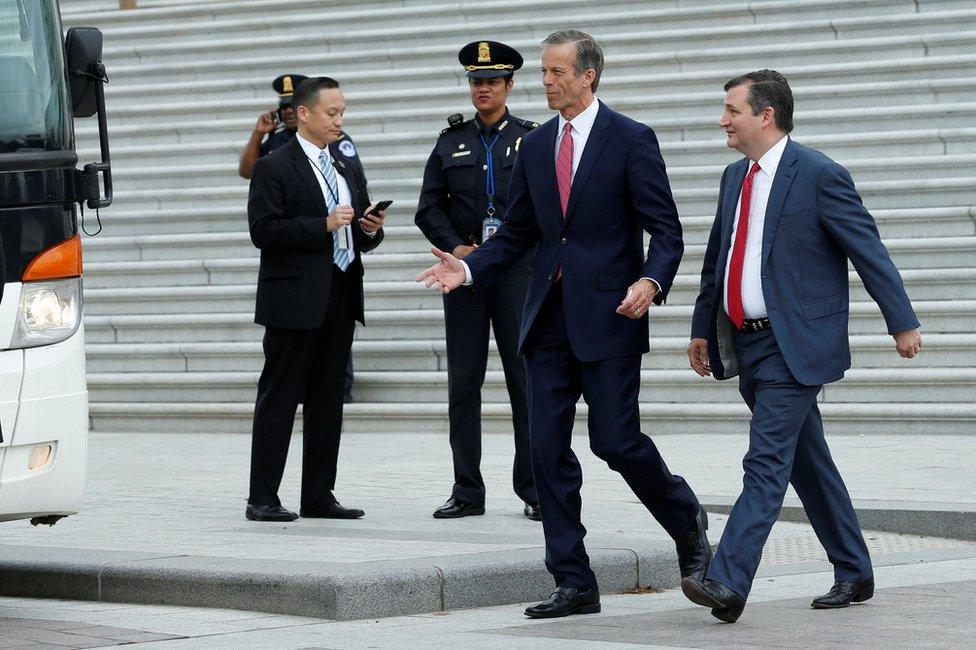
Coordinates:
x,y
755,325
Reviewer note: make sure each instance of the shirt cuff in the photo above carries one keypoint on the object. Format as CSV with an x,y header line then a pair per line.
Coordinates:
x,y
371,235
468,280
656,283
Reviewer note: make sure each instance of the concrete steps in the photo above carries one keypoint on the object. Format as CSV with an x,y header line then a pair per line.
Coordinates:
x,y
944,385
937,316
927,284
409,151
887,87
881,195
930,252
667,353
689,417
399,29
391,181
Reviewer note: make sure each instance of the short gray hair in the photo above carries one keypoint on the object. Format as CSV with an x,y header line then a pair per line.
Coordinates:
x,y
589,54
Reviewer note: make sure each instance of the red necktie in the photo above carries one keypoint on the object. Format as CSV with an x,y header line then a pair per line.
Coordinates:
x,y
736,311
564,166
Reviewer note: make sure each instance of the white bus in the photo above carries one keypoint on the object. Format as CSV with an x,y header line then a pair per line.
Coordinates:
x,y
45,81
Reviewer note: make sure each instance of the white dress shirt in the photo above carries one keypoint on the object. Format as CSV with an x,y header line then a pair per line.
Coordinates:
x,y
582,125
753,303
344,233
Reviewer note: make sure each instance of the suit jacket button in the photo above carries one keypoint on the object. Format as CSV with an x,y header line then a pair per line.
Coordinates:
x,y
549,277
563,240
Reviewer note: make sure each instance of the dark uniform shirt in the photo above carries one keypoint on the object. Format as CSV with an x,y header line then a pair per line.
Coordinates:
x,y
277,139
453,199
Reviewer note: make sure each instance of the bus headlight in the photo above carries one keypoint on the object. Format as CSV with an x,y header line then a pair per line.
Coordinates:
x,y
50,312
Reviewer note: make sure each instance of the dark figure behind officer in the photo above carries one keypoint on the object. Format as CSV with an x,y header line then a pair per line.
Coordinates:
x,y
275,129
462,202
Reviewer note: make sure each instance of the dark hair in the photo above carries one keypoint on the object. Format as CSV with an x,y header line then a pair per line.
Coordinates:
x,y
589,54
768,88
307,92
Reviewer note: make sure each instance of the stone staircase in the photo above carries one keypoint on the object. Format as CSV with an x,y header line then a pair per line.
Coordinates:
x,y
887,87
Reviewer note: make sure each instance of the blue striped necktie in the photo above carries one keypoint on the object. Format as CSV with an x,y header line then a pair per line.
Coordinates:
x,y
341,256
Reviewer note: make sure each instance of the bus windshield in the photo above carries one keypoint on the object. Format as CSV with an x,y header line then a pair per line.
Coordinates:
x,y
33,90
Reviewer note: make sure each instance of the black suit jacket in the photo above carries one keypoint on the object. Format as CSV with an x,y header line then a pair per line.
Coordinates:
x,y
286,213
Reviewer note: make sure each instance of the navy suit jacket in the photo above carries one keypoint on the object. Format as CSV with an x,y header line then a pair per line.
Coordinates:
x,y
815,223
620,190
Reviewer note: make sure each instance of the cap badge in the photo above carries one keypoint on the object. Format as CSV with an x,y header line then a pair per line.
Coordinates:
x,y
484,54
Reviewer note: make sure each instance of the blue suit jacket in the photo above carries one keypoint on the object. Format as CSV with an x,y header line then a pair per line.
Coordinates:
x,y
814,223
620,190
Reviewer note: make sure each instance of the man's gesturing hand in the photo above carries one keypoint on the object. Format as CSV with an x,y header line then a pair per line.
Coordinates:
x,y
698,356
341,216
908,343
446,275
639,298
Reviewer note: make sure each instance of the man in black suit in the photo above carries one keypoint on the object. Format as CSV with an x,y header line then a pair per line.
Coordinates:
x,y
309,213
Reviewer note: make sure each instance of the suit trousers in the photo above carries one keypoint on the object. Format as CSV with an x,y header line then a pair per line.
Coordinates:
x,y
306,365
786,445
467,317
556,381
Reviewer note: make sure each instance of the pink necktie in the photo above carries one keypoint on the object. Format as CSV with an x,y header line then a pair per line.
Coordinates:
x,y
736,311
564,166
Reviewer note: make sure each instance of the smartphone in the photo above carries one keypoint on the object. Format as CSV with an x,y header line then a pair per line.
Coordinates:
x,y
382,205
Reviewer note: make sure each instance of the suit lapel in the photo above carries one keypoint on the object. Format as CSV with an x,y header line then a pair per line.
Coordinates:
x,y
591,151
549,165
732,194
777,195
301,163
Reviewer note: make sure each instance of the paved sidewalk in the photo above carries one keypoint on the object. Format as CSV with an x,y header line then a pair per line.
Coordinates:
x,y
164,523
922,601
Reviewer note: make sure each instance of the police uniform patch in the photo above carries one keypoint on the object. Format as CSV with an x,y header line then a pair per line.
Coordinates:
x,y
347,148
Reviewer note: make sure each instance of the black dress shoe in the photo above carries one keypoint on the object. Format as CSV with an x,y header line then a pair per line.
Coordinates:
x,y
843,594
694,551
332,511
566,601
455,508
726,604
269,513
532,511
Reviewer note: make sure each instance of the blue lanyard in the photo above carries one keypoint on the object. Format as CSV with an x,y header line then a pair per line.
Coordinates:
x,y
490,175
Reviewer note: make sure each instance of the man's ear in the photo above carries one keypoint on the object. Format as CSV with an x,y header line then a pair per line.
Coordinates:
x,y
588,77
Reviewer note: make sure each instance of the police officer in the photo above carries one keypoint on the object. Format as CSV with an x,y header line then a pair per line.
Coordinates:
x,y
280,126
462,202
273,128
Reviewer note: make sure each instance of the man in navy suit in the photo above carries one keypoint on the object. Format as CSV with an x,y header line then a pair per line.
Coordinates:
x,y
585,188
773,309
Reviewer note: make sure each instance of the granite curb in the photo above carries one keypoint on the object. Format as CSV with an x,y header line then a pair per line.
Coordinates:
x,y
337,591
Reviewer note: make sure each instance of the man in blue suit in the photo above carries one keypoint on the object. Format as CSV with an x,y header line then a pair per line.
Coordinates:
x,y
773,309
585,188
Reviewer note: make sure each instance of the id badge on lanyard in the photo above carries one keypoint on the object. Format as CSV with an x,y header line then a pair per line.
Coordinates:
x,y
491,223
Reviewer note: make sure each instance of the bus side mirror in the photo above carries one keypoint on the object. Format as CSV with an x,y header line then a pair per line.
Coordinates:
x,y
86,73
87,79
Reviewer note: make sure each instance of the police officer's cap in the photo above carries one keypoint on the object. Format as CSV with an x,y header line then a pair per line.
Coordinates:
x,y
285,86
486,59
